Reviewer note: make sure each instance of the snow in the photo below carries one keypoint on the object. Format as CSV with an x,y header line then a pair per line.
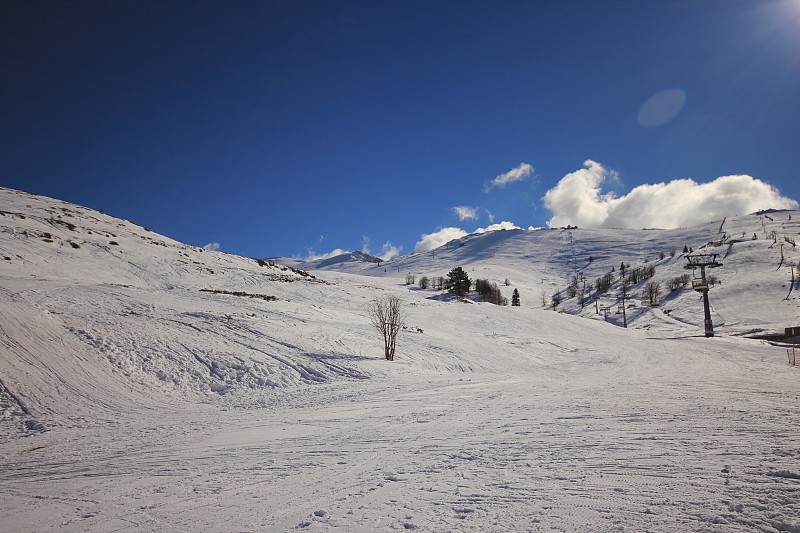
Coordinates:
x,y
132,400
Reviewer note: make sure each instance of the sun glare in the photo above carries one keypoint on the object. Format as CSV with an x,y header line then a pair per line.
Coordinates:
x,y
776,35
787,16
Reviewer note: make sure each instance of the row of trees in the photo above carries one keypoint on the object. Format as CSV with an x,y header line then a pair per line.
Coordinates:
x,y
673,284
579,287
628,277
604,282
431,283
634,276
459,284
489,292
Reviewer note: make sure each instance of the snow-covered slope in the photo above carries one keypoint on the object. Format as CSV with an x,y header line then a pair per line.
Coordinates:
x,y
115,312
755,293
149,385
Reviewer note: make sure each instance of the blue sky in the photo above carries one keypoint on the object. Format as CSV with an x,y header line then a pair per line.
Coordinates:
x,y
282,128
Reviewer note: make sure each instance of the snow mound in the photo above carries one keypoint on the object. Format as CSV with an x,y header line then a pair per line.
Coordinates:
x,y
99,314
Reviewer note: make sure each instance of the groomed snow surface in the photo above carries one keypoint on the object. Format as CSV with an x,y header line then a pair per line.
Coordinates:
x,y
148,385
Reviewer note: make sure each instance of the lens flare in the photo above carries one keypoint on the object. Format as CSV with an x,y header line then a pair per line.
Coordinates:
x,y
661,108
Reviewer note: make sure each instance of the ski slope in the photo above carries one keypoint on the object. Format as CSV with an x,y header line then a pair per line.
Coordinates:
x,y
538,261
149,385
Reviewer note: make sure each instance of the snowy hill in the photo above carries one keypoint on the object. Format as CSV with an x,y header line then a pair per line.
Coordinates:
x,y
756,269
108,291
336,262
351,257
150,385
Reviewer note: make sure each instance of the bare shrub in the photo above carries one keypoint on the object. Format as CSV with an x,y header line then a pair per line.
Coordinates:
x,y
604,282
556,299
387,317
652,290
673,284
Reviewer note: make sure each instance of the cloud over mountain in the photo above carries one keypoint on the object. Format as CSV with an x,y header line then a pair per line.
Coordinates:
x,y
431,241
390,251
504,225
578,200
311,255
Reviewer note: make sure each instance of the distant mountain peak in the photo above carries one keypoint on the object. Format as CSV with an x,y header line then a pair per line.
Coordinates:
x,y
357,256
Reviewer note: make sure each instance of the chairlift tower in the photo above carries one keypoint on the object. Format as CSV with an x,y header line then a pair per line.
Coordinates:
x,y
703,261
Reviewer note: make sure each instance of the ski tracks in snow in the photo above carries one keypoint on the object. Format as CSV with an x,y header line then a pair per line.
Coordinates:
x,y
631,445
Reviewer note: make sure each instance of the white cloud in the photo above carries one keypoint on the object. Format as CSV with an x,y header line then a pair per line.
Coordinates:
x,y
464,212
578,200
215,246
515,174
495,227
311,255
390,251
431,241
490,216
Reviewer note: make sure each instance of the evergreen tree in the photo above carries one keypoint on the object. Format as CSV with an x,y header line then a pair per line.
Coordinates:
x,y
515,298
458,282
